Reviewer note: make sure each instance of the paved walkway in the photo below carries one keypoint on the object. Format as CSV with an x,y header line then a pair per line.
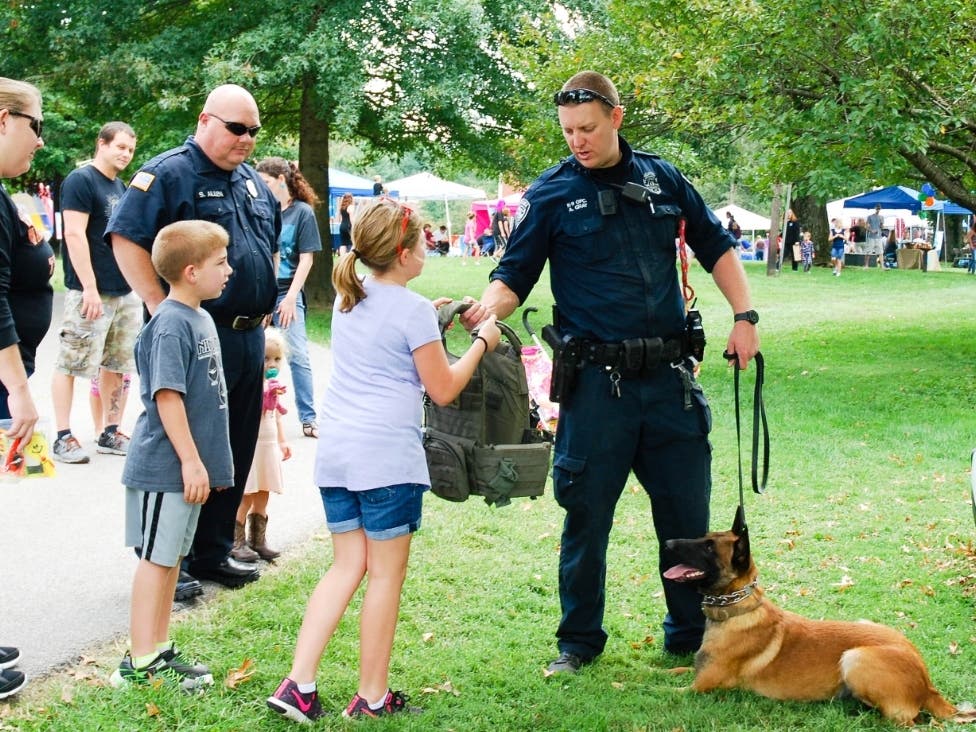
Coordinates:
x,y
64,572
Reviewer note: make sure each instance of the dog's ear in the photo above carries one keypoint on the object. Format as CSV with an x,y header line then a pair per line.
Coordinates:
x,y
739,524
741,553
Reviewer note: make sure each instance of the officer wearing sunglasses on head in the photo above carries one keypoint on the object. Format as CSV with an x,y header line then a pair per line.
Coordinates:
x,y
207,178
606,218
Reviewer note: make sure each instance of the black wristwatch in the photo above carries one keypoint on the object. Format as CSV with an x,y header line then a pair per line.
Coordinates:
x,y
750,316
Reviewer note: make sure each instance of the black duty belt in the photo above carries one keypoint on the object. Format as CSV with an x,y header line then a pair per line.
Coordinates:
x,y
635,356
240,322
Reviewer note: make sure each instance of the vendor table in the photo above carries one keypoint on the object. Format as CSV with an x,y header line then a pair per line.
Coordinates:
x,y
910,258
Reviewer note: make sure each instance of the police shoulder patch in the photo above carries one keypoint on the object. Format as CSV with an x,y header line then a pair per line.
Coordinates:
x,y
523,210
142,180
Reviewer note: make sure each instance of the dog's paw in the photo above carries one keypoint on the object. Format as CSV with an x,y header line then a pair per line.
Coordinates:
x,y
680,670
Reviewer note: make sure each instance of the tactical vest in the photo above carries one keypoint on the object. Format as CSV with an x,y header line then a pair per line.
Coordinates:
x,y
483,442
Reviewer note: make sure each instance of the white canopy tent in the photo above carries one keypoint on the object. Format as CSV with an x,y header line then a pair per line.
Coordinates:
x,y
428,187
747,220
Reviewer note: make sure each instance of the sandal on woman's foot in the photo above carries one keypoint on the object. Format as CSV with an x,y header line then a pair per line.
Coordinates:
x,y
310,430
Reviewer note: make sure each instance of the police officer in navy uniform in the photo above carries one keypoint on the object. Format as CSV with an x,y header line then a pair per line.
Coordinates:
x,y
207,178
611,253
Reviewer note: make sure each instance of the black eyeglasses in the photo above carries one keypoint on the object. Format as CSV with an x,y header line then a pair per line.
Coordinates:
x,y
36,125
236,128
580,96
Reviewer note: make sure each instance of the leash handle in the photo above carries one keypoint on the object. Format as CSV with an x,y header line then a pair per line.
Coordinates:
x,y
758,417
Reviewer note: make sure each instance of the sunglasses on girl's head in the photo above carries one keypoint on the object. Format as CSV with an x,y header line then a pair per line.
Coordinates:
x,y
407,213
36,125
580,96
236,128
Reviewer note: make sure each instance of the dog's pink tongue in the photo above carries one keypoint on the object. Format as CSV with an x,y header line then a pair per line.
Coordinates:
x,y
682,573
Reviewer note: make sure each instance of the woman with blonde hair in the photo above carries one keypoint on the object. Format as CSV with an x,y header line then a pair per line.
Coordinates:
x,y
345,223
26,297
370,464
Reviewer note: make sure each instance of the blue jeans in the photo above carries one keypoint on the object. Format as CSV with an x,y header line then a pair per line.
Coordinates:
x,y
298,361
600,439
972,261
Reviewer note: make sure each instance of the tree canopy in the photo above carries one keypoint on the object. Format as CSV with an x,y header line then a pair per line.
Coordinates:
x,y
829,95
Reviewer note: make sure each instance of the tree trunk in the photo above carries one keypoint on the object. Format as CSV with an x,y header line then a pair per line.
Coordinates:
x,y
813,218
774,254
313,160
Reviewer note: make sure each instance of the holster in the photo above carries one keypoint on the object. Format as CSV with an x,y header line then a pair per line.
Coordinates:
x,y
565,363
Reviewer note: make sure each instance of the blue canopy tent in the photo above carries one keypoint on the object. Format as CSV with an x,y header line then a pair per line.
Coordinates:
x,y
900,197
340,183
948,208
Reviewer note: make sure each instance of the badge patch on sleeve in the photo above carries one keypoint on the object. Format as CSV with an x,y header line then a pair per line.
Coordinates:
x,y
142,180
523,211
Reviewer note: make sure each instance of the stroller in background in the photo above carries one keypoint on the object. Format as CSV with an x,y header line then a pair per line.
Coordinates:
x,y
538,372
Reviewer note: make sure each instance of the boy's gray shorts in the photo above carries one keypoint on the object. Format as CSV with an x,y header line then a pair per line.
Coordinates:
x,y
160,524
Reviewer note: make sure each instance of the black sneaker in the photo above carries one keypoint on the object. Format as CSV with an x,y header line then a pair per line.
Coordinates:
x,y
295,705
395,703
567,663
8,657
157,671
11,682
188,667
112,443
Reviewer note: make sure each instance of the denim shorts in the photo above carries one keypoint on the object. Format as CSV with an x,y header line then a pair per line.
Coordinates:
x,y
382,513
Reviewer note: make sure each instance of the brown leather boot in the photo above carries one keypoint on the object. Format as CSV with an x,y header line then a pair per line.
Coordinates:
x,y
257,525
241,551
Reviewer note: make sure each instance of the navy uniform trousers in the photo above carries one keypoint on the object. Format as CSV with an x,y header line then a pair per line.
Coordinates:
x,y
600,439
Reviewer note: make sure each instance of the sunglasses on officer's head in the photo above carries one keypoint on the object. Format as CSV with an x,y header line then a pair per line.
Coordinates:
x,y
36,125
237,128
580,96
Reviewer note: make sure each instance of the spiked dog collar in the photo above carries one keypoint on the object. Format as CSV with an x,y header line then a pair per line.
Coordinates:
x,y
732,598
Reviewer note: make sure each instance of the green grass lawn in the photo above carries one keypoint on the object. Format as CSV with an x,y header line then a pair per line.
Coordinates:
x,y
869,392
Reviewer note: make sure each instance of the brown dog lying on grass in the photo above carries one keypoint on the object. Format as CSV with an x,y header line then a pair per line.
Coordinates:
x,y
750,643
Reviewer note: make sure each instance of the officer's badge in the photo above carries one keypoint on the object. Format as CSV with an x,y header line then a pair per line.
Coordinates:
x,y
142,180
251,188
650,182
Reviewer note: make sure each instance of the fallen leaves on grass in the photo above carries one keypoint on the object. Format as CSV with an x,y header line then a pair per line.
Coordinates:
x,y
845,583
447,688
152,710
237,676
648,641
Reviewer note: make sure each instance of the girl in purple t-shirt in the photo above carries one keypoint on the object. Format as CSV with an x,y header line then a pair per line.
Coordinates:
x,y
370,464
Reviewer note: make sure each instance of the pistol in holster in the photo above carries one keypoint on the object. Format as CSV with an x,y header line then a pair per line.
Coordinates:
x,y
565,362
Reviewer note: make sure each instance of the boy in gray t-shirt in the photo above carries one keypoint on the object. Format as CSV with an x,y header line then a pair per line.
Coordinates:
x,y
180,447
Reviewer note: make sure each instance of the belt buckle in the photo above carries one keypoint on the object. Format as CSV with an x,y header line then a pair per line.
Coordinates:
x,y
242,322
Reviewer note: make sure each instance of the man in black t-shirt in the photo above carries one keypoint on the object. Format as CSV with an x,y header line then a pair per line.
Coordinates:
x,y
101,315
501,227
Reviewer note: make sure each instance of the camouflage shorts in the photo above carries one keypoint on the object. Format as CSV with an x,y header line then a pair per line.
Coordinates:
x,y
108,342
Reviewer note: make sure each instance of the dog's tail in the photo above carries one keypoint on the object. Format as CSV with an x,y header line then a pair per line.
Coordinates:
x,y
937,706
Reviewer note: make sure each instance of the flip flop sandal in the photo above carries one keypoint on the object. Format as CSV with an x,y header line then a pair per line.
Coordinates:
x,y
310,430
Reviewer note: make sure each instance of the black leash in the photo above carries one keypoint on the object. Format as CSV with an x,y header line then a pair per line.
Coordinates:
x,y
758,417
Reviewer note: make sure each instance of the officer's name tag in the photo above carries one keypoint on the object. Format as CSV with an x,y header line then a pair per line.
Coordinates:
x,y
142,180
210,194
251,188
576,205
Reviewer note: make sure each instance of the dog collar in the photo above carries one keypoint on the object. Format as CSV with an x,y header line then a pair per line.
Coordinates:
x,y
732,598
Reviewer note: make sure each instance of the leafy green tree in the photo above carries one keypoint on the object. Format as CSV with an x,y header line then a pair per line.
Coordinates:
x,y
833,95
427,76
